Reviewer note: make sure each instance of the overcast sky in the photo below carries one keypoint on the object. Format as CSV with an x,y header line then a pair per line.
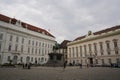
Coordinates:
x,y
65,19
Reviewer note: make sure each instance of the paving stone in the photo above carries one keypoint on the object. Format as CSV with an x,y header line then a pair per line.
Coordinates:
x,y
57,73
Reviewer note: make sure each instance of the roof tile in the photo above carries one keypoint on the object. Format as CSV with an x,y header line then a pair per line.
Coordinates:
x,y
24,25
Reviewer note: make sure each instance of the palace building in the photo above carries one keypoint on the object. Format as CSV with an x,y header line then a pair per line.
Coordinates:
x,y
98,48
21,42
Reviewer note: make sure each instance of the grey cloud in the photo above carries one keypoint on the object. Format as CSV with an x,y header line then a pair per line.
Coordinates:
x,y
66,19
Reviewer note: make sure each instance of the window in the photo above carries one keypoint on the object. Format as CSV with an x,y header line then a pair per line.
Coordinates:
x,y
36,51
109,60
39,59
85,50
48,51
21,59
95,48
0,46
9,47
115,43
11,37
32,50
51,46
17,39
48,45
42,52
1,36
21,48
35,60
115,46
31,59
16,47
39,51
42,59
39,44
28,50
8,58
96,61
43,44
117,60
29,42
103,62
116,51
108,47
36,43
32,42
69,52
22,40
0,57
58,59
101,48
76,51
89,45
81,51
73,51
45,51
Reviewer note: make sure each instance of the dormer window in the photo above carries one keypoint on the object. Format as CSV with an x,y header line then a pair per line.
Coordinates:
x,y
89,33
47,34
10,21
18,23
43,32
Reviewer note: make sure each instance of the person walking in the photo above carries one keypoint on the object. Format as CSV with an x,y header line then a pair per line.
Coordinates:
x,y
64,65
80,66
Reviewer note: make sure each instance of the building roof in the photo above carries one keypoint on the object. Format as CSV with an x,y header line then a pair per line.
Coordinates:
x,y
24,25
64,44
100,32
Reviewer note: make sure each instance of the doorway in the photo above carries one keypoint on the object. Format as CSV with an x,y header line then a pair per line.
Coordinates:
x,y
27,59
15,58
90,61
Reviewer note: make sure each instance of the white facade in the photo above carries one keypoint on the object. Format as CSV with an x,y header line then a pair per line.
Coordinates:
x,y
22,45
101,49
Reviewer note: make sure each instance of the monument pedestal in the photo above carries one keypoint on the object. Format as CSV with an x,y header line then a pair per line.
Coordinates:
x,y
55,59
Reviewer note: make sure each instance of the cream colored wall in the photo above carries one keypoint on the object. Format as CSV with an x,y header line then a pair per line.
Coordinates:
x,y
17,31
113,56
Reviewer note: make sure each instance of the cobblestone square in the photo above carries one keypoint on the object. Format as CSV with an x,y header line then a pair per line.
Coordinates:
x,y
57,73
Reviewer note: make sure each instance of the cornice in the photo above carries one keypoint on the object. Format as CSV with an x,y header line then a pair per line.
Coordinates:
x,y
95,37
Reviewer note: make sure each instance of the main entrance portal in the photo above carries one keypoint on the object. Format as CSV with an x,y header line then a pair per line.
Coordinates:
x,y
90,61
